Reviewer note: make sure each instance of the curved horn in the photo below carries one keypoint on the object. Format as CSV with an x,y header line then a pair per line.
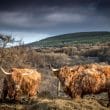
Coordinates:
x,y
4,71
54,70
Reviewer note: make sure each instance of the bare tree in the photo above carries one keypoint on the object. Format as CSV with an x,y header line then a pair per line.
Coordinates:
x,y
5,39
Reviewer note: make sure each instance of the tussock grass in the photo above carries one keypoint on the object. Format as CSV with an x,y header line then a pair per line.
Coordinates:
x,y
57,104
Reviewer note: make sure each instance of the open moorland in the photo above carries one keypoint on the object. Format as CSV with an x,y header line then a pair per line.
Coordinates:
x,y
41,57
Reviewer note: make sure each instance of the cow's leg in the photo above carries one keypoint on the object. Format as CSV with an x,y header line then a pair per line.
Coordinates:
x,y
77,92
108,98
4,94
77,96
5,90
16,96
32,95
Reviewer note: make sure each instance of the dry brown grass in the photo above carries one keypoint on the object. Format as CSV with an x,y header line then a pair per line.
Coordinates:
x,y
26,57
57,104
40,59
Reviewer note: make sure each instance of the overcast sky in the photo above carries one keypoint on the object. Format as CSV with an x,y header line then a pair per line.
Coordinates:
x,y
33,20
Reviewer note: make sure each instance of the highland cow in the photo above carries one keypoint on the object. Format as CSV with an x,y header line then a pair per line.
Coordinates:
x,y
20,82
80,80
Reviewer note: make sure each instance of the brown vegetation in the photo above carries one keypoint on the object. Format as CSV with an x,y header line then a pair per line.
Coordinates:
x,y
56,104
40,58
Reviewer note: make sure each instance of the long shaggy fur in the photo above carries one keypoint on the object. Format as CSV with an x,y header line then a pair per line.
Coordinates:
x,y
85,79
22,82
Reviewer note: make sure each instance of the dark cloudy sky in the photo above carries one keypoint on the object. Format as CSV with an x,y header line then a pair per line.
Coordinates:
x,y
37,19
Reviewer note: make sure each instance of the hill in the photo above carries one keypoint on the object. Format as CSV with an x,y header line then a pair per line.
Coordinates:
x,y
74,38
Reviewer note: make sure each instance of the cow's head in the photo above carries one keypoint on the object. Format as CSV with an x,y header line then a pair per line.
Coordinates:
x,y
3,71
63,73
55,71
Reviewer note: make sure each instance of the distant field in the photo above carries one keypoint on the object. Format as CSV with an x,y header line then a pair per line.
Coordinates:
x,y
73,39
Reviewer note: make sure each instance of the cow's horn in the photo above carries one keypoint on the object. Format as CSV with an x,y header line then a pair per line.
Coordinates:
x,y
55,70
4,71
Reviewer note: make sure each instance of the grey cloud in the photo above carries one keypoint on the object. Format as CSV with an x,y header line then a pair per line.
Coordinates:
x,y
53,15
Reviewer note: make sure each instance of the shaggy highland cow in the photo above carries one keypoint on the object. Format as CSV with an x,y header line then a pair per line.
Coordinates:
x,y
20,82
84,79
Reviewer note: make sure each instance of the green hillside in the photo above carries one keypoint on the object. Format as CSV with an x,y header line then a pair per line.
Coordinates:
x,y
74,38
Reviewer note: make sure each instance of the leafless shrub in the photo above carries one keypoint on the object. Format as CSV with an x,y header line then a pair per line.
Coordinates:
x,y
25,57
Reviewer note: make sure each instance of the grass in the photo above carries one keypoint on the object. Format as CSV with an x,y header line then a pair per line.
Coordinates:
x,y
73,39
40,59
58,104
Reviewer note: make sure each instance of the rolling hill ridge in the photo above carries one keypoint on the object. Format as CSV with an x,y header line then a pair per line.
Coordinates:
x,y
73,38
